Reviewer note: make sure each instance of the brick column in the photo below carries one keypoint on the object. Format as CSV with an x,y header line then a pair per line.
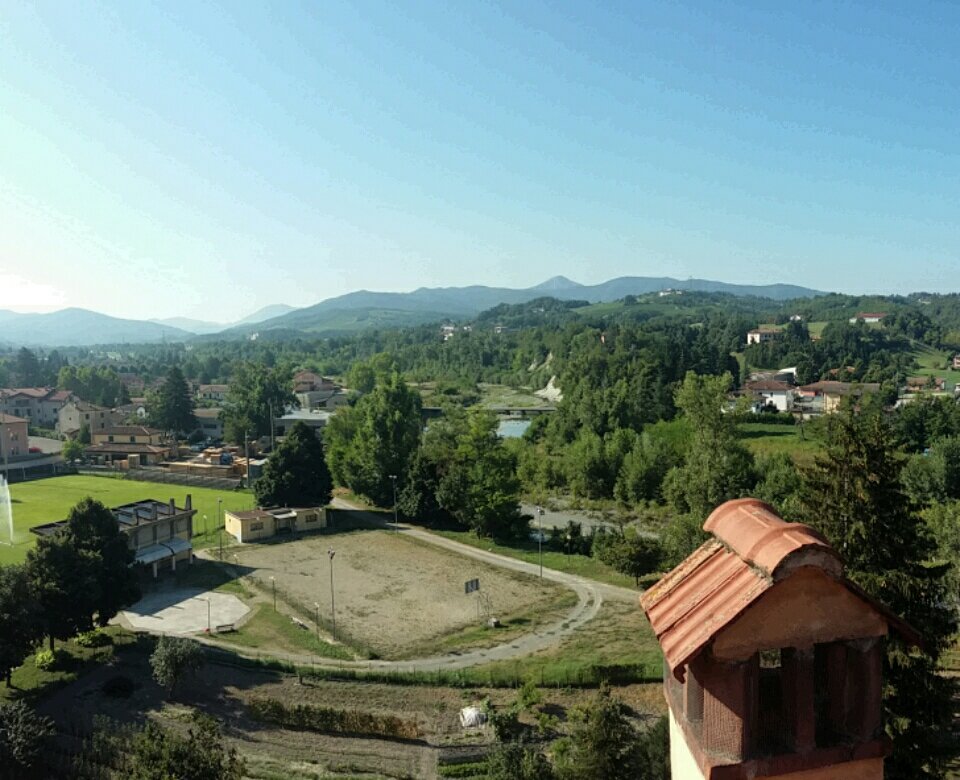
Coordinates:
x,y
798,698
730,707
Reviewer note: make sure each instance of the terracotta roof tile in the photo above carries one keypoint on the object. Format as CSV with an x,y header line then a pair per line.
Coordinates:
x,y
752,549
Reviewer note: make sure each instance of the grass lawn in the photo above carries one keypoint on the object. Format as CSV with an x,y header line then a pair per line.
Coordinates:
x,y
928,358
801,444
49,500
31,683
620,636
502,395
275,631
581,565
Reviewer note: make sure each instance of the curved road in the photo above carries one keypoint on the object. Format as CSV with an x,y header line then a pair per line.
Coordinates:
x,y
590,596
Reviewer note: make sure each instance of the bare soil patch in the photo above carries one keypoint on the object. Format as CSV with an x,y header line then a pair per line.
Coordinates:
x,y
397,596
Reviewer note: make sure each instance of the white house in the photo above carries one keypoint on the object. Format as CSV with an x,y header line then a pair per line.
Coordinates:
x,y
773,393
868,317
761,335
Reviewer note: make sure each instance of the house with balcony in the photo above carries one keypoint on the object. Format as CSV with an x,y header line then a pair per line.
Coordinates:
x,y
159,533
773,658
39,406
136,445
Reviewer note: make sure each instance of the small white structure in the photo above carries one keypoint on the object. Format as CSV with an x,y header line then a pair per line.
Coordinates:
x,y
472,717
762,335
773,393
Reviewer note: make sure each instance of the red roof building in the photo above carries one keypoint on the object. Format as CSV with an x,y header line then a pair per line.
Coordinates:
x,y
773,657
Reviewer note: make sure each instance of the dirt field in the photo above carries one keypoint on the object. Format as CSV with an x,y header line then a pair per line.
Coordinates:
x,y
394,595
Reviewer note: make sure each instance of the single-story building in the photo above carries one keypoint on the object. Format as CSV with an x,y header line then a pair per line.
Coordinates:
x,y
209,423
255,524
869,317
315,420
773,393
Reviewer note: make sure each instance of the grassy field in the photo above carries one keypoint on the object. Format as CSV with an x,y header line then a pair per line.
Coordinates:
x,y
929,358
268,628
581,565
801,444
49,500
502,395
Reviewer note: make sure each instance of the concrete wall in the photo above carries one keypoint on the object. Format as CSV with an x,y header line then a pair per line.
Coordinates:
x,y
683,766
869,769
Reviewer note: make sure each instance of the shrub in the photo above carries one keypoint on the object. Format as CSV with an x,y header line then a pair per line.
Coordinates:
x,y
47,660
332,721
95,638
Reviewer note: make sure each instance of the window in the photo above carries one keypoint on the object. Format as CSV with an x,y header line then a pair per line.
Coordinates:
x,y
133,439
110,438
772,728
311,518
257,526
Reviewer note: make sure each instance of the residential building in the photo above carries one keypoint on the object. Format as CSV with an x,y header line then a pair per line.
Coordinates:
x,y
919,384
209,422
869,317
136,408
39,406
215,393
159,533
257,524
75,414
773,393
773,658
956,362
312,419
328,400
135,444
448,332
308,382
14,439
762,335
831,393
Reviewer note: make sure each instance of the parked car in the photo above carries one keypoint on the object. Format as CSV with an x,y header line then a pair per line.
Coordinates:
x,y
35,451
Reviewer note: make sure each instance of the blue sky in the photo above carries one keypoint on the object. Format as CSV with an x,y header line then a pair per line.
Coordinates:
x,y
203,160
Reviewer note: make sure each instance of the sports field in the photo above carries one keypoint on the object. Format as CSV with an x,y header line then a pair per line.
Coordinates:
x,y
48,500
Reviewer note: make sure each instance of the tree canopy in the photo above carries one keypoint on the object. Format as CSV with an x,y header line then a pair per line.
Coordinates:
x,y
296,474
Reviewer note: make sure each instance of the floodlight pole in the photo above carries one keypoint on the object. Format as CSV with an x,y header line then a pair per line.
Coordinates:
x,y
317,605
333,604
204,525
273,582
219,511
220,538
540,537
396,525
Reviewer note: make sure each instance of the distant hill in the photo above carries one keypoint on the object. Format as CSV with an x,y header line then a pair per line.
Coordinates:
x,y
192,326
266,313
428,304
80,327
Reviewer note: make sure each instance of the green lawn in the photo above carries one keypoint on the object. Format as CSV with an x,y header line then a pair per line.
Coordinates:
x,y
581,565
927,358
49,500
274,631
503,395
799,442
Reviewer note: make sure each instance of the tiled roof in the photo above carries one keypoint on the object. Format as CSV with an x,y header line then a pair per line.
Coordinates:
x,y
127,448
841,388
129,430
751,551
207,414
769,386
10,418
863,315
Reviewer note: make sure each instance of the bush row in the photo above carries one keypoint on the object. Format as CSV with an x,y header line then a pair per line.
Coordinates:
x,y
327,720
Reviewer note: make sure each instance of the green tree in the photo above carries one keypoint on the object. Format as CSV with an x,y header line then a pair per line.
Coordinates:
x,y
27,371
518,761
296,474
717,466
603,744
72,450
20,624
159,754
94,530
384,433
23,734
65,582
630,552
172,407
854,495
173,659
84,436
256,393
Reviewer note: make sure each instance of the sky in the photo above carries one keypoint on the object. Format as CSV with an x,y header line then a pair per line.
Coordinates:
x,y
203,160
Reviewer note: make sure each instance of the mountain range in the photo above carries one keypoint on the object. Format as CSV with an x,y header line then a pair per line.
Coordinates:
x,y
349,313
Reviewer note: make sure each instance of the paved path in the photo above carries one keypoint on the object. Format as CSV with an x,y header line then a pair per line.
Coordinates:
x,y
590,596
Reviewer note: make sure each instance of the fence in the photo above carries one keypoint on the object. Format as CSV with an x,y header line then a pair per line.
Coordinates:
x,y
163,476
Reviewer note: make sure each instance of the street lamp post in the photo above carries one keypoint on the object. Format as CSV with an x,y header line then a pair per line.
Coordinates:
x,y
333,604
317,605
219,511
396,525
220,540
204,525
540,537
273,582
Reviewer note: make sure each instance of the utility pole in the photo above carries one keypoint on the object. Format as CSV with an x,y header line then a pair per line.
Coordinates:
x,y
219,512
396,525
333,605
273,582
273,438
246,451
